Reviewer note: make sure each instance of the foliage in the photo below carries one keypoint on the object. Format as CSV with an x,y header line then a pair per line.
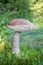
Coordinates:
x,y
29,56
27,9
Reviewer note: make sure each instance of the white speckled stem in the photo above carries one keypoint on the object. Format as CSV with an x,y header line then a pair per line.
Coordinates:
x,y
15,44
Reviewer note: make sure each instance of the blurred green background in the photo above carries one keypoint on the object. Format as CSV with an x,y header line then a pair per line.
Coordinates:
x,y
31,42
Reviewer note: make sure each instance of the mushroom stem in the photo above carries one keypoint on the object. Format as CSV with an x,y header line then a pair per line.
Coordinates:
x,y
15,44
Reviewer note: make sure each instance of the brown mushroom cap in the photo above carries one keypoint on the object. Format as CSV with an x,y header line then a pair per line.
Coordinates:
x,y
20,25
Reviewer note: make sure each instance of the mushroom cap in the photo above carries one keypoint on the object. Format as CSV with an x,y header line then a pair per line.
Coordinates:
x,y
20,25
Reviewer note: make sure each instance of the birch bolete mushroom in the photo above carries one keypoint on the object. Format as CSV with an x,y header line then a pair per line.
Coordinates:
x,y
19,25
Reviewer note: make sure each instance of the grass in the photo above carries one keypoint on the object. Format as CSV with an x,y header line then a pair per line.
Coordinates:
x,y
31,46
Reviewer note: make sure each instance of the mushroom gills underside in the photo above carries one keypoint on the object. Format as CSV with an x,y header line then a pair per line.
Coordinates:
x,y
20,27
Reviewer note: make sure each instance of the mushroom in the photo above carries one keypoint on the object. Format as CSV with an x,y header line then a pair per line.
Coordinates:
x,y
19,25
